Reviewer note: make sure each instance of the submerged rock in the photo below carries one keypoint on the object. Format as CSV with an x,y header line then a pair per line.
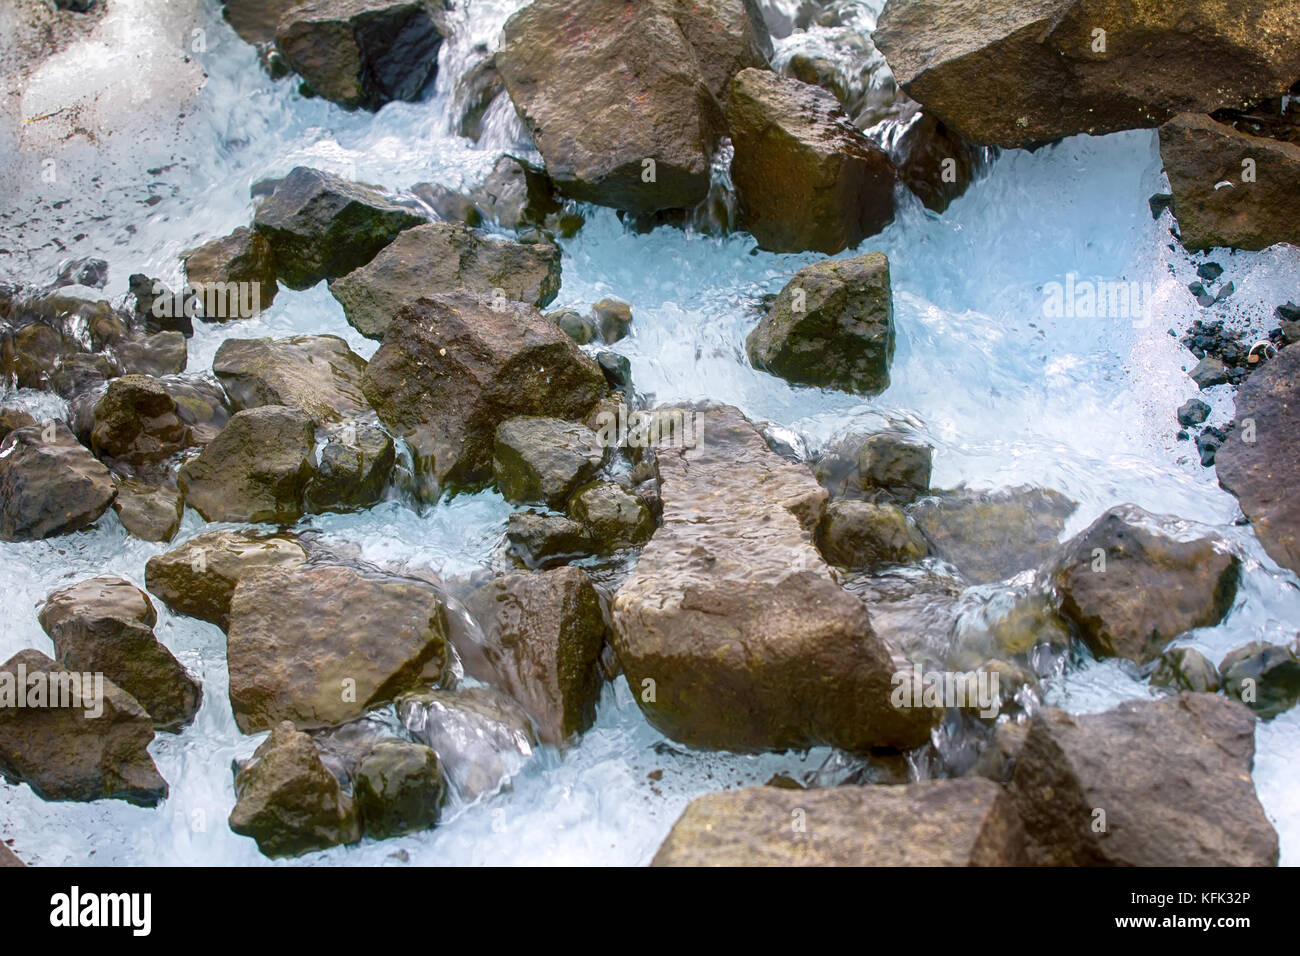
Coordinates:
x,y
858,534
243,257
49,484
544,541
1131,591
163,353
1185,668
147,512
1150,783
832,325
518,195
882,467
965,822
398,788
319,374
1264,677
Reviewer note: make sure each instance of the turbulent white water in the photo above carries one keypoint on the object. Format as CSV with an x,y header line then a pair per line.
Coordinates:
x,y
1005,394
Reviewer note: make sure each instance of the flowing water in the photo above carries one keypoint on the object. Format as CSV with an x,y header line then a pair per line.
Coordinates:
x,y
1006,394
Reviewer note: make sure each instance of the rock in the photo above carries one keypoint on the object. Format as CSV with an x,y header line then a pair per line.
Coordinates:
x,y
84,271
255,20
322,227
543,632
614,319
1208,372
476,90
200,404
222,265
160,309
615,100
1172,777
990,536
805,177
398,789
518,195
1185,668
288,802
198,578
544,541
319,374
481,736
1265,677
1264,474
857,534
577,327
256,470
1131,590
8,857
933,161
77,375
64,753
363,53
544,460
12,419
452,368
146,512
832,326
1193,412
897,466
354,469
137,423
732,630
443,257
727,36
162,353
105,625
1016,73
966,822
612,517
1256,209
617,369
301,644
49,484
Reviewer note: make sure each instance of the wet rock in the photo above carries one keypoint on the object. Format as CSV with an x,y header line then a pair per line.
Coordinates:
x,y
731,629
105,625
319,374
452,368
256,470
200,404
147,512
355,465
882,467
997,761
1016,73
12,419
301,644
363,53
832,325
805,177
137,423
476,89
449,205
990,536
612,517
85,271
518,195
1264,677
60,751
443,257
575,325
160,309
1257,208
288,801
614,319
1193,412
727,36
617,369
1131,590
255,20
162,353
481,736
966,822
1264,474
1185,668
1208,373
77,375
543,633
933,161
49,484
1208,444
243,257
8,857
398,789
322,227
544,460
1172,777
544,541
198,578
857,534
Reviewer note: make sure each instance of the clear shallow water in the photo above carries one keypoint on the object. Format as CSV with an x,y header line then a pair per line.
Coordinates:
x,y
1006,394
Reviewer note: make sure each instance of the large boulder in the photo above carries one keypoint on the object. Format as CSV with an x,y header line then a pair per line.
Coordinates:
x,y
964,822
543,632
288,801
544,460
452,368
1016,73
105,625
832,325
727,36
318,373
322,227
1131,590
255,20
1260,460
1150,783
731,629
138,423
363,53
198,579
441,257
319,645
806,178
49,483
256,470
91,744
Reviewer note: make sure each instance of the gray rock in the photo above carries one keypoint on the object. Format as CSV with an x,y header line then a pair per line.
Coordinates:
x,y
544,460
49,487
319,374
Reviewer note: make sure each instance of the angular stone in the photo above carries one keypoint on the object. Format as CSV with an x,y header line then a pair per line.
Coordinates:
x,y
147,512
614,518
398,789
355,465
1264,677
49,487
1185,668
137,422
544,541
858,534
544,460
318,373
218,268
